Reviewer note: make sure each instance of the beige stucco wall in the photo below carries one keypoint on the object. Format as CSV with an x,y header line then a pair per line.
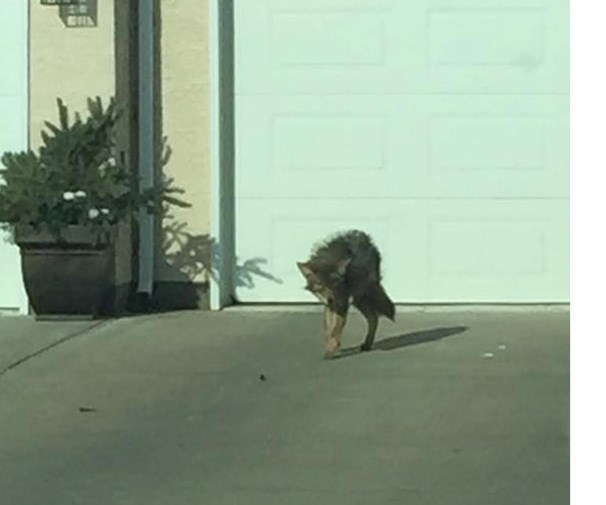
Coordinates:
x,y
71,63
74,63
186,124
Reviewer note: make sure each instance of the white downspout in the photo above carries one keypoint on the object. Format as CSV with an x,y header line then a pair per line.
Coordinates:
x,y
146,78
222,150
217,283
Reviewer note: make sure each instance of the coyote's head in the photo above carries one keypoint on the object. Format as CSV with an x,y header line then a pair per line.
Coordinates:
x,y
324,280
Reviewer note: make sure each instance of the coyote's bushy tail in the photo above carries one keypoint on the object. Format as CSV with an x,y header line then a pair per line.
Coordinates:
x,y
382,302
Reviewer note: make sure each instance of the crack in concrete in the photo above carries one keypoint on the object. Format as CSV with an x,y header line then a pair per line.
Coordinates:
x,y
52,345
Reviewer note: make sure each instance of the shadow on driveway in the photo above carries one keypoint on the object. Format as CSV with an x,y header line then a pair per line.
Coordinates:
x,y
406,339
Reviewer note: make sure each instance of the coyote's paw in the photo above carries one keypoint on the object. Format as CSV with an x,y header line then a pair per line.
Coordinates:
x,y
330,354
332,347
365,347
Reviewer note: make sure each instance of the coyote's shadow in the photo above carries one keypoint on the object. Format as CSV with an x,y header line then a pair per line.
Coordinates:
x,y
407,339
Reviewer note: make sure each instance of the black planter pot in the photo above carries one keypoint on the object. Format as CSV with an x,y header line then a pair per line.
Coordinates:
x,y
70,276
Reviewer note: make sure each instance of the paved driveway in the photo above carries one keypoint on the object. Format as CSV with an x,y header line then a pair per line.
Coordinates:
x,y
452,408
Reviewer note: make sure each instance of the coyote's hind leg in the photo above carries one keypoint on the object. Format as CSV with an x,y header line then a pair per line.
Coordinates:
x,y
372,318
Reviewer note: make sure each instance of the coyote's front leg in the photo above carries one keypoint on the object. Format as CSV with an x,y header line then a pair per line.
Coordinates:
x,y
334,323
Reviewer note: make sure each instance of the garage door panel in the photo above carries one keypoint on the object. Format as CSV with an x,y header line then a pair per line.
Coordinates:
x,y
459,143
466,238
505,48
484,251
13,133
311,38
353,46
332,142
464,37
472,146
336,40
433,251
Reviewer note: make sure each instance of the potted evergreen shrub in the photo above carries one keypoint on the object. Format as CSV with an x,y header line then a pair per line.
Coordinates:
x,y
63,205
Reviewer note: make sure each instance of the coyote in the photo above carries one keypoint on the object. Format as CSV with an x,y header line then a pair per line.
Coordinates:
x,y
346,268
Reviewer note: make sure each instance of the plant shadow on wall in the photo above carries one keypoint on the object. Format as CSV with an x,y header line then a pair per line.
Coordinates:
x,y
191,260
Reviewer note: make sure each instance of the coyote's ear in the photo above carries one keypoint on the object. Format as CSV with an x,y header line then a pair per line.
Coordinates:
x,y
342,266
305,269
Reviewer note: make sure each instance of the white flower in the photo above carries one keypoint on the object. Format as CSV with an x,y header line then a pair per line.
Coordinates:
x,y
93,213
80,194
68,195
111,161
104,211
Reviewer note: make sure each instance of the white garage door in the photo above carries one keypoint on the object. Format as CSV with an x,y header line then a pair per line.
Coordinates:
x,y
440,127
13,131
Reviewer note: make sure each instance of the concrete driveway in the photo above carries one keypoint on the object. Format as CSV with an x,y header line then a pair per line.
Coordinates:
x,y
452,408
